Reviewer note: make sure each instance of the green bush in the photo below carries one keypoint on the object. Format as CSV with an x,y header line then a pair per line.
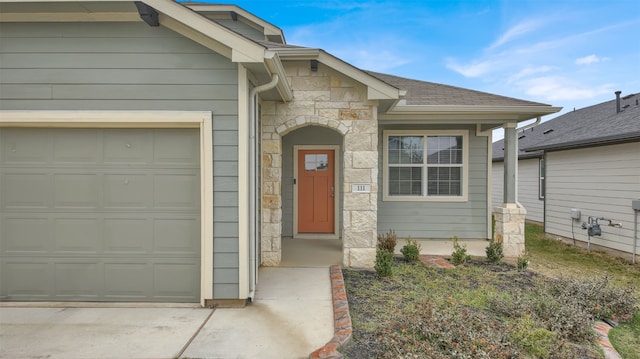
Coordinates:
x,y
522,263
494,251
411,250
387,241
459,255
384,263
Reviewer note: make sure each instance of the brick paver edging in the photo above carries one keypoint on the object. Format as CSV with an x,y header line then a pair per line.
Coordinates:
x,y
602,332
342,329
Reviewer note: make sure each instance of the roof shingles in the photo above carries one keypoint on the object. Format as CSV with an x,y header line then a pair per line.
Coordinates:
x,y
590,126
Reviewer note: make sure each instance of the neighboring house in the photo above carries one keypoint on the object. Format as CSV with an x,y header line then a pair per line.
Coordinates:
x,y
587,159
159,151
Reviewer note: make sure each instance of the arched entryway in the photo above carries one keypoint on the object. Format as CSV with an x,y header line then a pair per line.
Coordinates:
x,y
356,159
312,196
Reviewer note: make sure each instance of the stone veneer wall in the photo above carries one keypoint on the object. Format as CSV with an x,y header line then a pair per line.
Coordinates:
x,y
510,228
324,98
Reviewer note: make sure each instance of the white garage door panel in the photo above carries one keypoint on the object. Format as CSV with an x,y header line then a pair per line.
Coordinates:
x,y
99,214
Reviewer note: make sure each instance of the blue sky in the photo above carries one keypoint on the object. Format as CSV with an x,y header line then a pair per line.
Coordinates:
x,y
568,53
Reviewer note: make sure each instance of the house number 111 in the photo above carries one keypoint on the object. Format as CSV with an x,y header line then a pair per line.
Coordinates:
x,y
361,188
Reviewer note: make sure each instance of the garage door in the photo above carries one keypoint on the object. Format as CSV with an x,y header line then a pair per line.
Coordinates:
x,y
99,214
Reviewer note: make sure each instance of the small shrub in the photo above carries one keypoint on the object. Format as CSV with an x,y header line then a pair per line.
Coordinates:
x,y
459,255
411,250
494,251
384,263
522,263
387,241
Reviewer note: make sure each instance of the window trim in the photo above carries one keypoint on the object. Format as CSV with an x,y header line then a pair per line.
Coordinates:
x,y
425,198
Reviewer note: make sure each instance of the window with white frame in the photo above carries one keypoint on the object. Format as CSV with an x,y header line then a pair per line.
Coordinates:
x,y
425,165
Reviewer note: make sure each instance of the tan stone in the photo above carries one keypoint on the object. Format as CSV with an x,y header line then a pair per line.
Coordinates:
x,y
271,174
328,113
368,127
332,105
347,159
363,220
266,160
357,176
293,108
358,142
351,114
365,159
362,257
271,201
348,94
271,230
271,259
513,250
311,83
271,146
268,108
357,201
365,239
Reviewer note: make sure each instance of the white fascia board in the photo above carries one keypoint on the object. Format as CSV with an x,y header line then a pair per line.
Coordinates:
x,y
243,50
274,66
376,89
519,113
196,36
267,27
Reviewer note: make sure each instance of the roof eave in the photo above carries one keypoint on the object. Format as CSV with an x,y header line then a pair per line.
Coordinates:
x,y
601,141
518,113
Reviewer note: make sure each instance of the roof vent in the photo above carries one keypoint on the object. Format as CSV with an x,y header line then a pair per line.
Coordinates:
x,y
547,131
618,101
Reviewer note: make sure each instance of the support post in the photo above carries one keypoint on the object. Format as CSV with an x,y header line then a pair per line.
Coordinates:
x,y
510,216
510,163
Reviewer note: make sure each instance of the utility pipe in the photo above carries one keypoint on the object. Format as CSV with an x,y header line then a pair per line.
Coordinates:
x,y
252,175
635,235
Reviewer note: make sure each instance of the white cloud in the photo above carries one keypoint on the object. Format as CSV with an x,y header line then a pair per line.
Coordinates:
x,y
475,69
515,32
559,88
588,60
528,71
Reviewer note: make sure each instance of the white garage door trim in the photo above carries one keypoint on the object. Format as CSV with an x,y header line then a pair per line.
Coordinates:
x,y
145,119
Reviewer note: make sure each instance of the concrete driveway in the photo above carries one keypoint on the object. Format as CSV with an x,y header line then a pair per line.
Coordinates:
x,y
292,315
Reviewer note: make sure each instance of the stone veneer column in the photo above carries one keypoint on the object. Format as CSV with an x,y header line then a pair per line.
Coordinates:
x,y
510,228
360,210
324,98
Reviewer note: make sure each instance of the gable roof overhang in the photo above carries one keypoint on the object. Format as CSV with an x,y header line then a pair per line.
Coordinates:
x,y
271,32
377,90
171,15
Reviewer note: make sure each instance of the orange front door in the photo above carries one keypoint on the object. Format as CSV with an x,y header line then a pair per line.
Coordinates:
x,y
316,191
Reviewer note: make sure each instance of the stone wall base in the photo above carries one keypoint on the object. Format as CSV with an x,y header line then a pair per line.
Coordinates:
x,y
509,228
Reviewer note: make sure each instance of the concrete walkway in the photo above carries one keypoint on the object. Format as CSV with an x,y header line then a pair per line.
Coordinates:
x,y
292,315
